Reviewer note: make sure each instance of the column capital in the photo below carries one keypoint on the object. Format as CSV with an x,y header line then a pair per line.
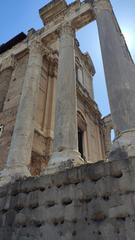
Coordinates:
x,y
8,62
101,5
37,46
66,28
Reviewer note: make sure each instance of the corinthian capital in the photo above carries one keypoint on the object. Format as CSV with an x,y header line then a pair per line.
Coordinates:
x,y
67,29
37,46
101,5
8,62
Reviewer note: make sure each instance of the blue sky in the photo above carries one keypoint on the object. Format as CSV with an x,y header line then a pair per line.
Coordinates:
x,y
17,16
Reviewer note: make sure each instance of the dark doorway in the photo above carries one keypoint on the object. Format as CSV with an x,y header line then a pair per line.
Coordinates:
x,y
80,141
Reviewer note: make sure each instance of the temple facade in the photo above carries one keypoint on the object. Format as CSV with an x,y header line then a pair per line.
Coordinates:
x,y
46,94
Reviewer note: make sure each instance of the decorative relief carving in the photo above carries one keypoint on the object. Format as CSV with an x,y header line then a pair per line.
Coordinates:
x,y
53,60
100,5
59,18
7,62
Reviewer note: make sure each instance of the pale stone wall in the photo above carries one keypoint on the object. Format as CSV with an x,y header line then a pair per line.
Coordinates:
x,y
94,140
94,131
88,82
94,202
43,140
44,121
42,95
85,72
44,133
44,124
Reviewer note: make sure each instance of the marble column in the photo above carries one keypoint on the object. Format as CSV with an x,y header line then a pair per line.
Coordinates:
x,y
120,79
21,144
65,135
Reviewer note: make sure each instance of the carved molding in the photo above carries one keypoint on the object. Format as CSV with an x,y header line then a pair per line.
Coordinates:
x,y
8,62
101,5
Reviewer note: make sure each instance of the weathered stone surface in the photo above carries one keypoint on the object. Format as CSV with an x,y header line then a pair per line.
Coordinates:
x,y
74,204
120,75
94,201
76,72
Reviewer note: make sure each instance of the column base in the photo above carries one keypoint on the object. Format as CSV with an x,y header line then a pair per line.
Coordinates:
x,y
63,160
10,175
123,146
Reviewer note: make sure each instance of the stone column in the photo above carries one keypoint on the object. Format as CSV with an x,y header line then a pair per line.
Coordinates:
x,y
65,135
21,144
120,79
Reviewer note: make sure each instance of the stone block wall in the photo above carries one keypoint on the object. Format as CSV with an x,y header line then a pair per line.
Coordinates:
x,y
95,202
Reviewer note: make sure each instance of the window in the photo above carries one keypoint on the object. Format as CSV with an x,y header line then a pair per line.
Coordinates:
x,y
76,69
82,129
79,74
80,141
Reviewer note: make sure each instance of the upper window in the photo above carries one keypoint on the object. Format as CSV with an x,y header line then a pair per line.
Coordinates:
x,y
79,74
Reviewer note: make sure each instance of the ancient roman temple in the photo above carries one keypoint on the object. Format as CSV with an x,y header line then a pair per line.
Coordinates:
x,y
61,177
